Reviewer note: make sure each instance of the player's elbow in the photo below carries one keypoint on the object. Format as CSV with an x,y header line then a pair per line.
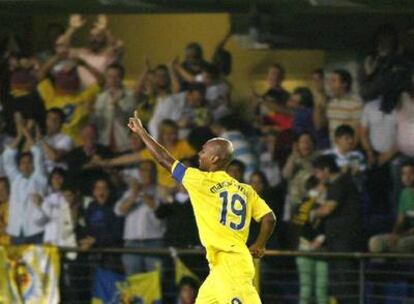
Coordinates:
x,y
270,219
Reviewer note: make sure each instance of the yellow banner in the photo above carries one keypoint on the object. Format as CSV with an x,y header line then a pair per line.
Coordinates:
x,y
29,275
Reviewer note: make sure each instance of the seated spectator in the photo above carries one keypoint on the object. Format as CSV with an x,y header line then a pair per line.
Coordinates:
x,y
342,213
237,170
298,168
348,159
187,290
56,217
267,161
343,108
103,228
142,229
65,92
168,137
103,49
401,239
229,127
55,143
378,139
79,159
112,109
21,95
4,210
28,179
185,108
313,273
306,117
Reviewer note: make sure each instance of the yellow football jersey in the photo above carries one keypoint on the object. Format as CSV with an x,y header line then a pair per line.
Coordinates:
x,y
223,208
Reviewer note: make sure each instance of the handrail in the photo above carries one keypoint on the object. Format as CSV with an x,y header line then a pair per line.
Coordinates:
x,y
280,253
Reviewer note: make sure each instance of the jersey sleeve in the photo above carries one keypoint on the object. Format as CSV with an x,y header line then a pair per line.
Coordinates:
x,y
191,178
259,206
46,92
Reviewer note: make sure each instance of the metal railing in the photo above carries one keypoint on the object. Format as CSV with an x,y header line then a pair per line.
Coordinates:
x,y
369,278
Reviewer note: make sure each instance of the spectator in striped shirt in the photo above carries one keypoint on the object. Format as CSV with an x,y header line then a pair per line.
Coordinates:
x,y
348,159
344,107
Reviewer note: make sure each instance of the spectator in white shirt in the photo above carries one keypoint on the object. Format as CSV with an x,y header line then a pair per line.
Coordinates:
x,y
185,108
56,219
142,228
55,144
112,108
28,180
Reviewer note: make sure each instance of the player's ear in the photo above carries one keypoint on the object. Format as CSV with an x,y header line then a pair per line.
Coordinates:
x,y
214,159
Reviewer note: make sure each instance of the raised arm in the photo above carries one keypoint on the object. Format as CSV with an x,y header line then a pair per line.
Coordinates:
x,y
76,21
47,67
160,154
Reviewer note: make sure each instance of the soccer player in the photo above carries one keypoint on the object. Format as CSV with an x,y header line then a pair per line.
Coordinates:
x,y
223,209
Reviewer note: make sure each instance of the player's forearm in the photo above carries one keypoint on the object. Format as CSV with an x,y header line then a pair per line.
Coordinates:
x,y
267,226
160,154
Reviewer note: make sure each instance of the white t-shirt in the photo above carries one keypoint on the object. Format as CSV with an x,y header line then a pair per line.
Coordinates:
x,y
382,126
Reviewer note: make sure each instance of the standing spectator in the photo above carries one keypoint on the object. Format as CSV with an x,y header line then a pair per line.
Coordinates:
x,y
65,92
347,157
5,139
185,108
306,117
28,180
342,213
378,138
55,143
142,227
79,159
178,212
112,109
4,210
275,76
187,290
267,161
154,86
298,168
21,95
313,272
103,228
401,238
103,49
229,127
217,91
193,59
343,108
56,218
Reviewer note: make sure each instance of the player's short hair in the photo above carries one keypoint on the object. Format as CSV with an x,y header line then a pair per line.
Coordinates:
x,y
344,130
327,161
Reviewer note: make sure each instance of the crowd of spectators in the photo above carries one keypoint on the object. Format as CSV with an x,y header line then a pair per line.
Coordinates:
x,y
334,164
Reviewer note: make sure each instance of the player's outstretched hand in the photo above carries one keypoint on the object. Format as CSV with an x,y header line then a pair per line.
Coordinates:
x,y
257,251
135,123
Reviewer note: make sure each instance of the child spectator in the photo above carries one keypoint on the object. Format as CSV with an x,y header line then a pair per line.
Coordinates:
x,y
348,159
313,272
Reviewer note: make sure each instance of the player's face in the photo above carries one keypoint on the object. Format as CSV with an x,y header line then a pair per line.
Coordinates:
x,y
205,157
